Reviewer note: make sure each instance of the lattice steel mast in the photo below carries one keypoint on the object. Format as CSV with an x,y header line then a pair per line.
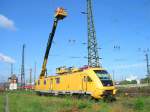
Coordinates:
x,y
147,65
93,57
22,68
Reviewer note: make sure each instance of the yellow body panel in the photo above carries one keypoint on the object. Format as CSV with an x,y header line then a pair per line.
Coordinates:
x,y
74,83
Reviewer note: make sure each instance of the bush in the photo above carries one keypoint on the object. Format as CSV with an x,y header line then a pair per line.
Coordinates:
x,y
139,104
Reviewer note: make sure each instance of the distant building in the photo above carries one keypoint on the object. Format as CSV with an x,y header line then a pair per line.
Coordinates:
x,y
1,87
13,80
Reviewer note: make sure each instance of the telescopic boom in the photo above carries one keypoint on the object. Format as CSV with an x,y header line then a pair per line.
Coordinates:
x,y
59,15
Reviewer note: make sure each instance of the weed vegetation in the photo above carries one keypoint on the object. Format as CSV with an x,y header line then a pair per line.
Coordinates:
x,y
1,102
30,102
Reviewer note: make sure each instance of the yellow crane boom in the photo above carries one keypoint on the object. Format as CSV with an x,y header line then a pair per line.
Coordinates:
x,y
59,15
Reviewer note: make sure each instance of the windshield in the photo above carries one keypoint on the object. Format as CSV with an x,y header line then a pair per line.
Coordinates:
x,y
102,74
104,77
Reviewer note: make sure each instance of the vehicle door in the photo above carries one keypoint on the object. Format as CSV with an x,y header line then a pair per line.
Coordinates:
x,y
51,84
86,84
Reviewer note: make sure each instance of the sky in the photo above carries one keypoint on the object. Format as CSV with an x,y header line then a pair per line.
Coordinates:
x,y
122,31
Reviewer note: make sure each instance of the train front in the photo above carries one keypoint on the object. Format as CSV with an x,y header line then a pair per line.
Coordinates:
x,y
105,86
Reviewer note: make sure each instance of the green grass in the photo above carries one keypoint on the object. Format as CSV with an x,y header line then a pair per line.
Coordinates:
x,y
30,102
33,103
1,102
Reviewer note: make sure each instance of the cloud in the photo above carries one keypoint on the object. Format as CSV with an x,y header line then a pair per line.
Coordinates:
x,y
6,59
7,23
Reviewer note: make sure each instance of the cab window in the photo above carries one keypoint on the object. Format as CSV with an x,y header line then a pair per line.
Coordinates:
x,y
104,77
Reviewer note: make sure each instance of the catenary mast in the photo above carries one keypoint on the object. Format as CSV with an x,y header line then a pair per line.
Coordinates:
x,y
93,57
22,68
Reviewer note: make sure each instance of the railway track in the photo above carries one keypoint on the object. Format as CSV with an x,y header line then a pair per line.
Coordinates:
x,y
132,85
134,90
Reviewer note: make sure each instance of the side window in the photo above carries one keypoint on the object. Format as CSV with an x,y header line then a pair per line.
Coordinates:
x,y
57,80
89,79
84,79
35,83
44,82
38,82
